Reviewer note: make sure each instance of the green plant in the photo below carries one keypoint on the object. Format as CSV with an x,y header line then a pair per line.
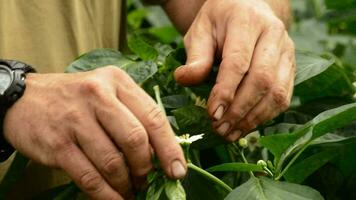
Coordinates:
x,y
311,145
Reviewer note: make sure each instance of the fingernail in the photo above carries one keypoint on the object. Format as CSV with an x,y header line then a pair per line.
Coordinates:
x,y
223,128
178,169
219,112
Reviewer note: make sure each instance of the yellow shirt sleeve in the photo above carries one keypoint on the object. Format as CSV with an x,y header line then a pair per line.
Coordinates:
x,y
50,34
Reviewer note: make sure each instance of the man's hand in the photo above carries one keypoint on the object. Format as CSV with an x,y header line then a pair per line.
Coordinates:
x,y
82,122
256,74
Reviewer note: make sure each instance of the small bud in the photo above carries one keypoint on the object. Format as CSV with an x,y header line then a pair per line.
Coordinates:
x,y
243,143
262,163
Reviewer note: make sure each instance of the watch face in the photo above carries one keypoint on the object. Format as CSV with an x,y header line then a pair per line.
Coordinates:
x,y
5,80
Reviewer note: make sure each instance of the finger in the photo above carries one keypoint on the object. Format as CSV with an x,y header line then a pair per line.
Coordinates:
x,y
160,133
84,174
119,123
277,100
128,133
259,79
237,52
200,47
104,155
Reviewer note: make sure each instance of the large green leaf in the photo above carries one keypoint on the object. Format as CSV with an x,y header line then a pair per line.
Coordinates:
x,y
98,58
333,82
310,65
301,170
284,145
267,189
139,71
235,167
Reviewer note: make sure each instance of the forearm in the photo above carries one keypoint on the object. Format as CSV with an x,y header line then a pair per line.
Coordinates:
x,y
183,12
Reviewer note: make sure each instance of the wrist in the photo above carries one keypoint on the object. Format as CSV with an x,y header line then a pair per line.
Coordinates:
x,y
13,74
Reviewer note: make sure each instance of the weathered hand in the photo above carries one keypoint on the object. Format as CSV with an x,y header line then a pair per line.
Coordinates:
x,y
256,74
82,122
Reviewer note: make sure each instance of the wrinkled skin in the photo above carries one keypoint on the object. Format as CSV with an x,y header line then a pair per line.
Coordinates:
x,y
98,126
257,69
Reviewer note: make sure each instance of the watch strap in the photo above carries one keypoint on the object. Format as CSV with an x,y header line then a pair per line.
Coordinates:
x,y
19,70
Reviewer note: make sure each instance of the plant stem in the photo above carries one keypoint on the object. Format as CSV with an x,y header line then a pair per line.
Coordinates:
x,y
158,98
209,176
245,161
241,152
291,162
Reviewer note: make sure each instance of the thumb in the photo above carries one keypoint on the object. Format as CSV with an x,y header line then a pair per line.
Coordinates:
x,y
200,46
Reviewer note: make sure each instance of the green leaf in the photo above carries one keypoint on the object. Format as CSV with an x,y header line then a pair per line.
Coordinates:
x,y
136,17
175,101
267,189
98,58
340,4
282,128
283,146
310,65
155,190
166,34
139,71
195,120
174,190
144,50
198,186
333,82
301,170
236,167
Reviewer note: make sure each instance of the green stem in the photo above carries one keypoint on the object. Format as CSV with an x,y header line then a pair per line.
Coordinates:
x,y
241,152
291,162
245,161
209,176
158,98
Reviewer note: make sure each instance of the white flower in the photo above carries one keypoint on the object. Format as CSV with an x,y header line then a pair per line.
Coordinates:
x,y
186,139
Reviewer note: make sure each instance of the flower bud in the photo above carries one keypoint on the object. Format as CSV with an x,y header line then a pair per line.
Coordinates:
x,y
262,163
243,143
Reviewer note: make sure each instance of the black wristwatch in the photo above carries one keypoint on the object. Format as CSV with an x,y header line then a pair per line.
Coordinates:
x,y
12,87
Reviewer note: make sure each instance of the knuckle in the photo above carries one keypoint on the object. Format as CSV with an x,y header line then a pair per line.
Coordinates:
x,y
277,26
239,61
250,123
136,138
74,116
91,86
237,114
91,181
61,144
224,93
155,118
263,80
280,98
112,163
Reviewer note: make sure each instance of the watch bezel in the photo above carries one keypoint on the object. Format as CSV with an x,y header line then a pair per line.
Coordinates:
x,y
4,66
